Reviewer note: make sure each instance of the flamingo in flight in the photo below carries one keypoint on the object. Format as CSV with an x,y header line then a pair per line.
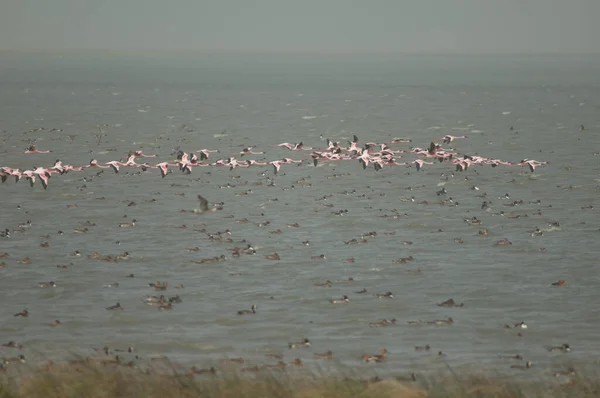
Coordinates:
x,y
33,150
419,163
449,138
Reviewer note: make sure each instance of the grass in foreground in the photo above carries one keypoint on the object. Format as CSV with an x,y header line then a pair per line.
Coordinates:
x,y
95,381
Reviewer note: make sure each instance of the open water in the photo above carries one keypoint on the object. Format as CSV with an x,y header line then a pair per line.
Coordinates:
x,y
106,105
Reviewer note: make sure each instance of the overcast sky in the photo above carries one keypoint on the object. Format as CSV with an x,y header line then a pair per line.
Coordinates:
x,y
432,26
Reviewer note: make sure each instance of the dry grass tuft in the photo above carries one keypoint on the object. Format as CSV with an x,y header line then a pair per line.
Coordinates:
x,y
88,379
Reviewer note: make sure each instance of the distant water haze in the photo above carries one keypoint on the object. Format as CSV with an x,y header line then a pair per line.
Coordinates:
x,y
310,26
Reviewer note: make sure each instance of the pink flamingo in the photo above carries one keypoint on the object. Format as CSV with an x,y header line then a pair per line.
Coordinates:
x,y
300,146
531,163
233,163
432,149
94,165
449,138
462,164
32,150
140,154
68,167
392,162
354,146
193,158
18,174
419,163
332,145
289,161
4,174
204,153
164,168
43,174
130,162
255,163
115,164
399,141
28,174
364,159
59,167
286,145
7,172
276,166
248,151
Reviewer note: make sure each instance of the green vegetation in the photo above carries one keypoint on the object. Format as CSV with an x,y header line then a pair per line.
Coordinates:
x,y
85,379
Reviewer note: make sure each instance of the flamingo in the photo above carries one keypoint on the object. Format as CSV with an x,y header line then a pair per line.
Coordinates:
x,y
28,174
286,145
33,150
184,163
233,163
419,163
59,167
115,164
449,138
531,163
43,174
299,146
4,174
255,163
432,149
164,168
140,154
276,166
288,161
68,168
204,153
94,165
364,159
130,162
248,151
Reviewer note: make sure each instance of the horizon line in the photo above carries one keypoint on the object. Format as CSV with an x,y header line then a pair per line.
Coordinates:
x,y
108,51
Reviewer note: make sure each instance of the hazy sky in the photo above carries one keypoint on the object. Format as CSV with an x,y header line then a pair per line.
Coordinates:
x,y
449,26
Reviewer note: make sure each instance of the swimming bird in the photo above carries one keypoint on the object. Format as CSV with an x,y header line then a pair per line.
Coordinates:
x,y
564,348
343,300
324,355
527,366
23,313
375,358
128,224
251,311
303,343
450,303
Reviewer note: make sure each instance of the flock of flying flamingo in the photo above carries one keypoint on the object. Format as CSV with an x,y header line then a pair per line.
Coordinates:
x,y
379,155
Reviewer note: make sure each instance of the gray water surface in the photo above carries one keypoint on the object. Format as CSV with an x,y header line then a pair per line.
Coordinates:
x,y
227,103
